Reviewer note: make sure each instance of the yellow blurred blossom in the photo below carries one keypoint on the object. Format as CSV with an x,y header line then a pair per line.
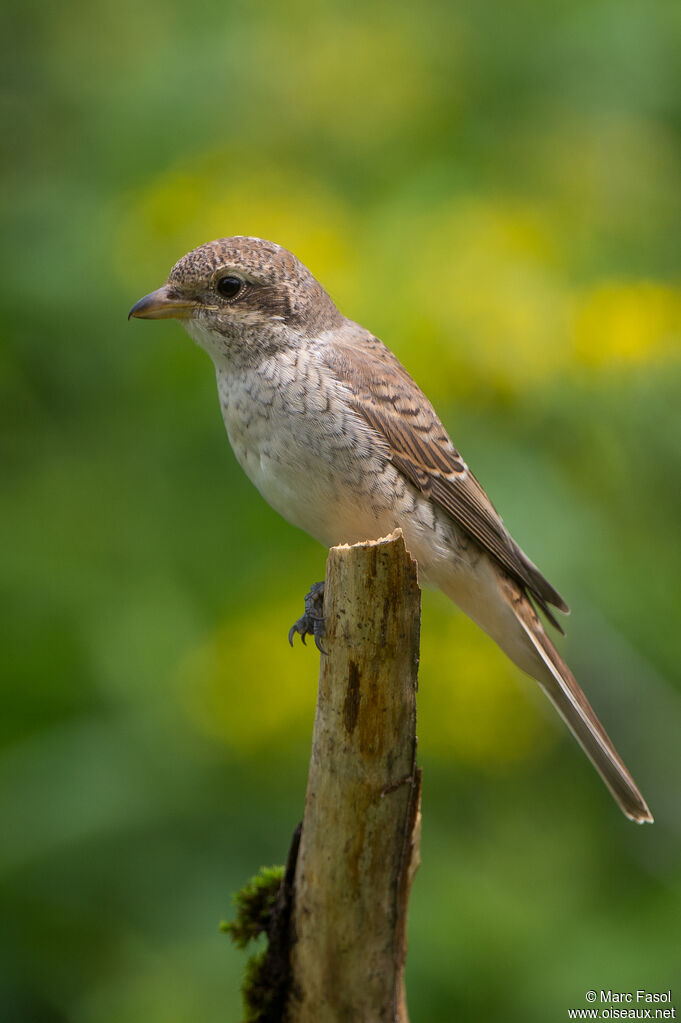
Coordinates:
x,y
628,323
473,703
246,690
491,293
250,693
223,193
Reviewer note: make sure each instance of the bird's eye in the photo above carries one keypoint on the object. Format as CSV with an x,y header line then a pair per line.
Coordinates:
x,y
229,286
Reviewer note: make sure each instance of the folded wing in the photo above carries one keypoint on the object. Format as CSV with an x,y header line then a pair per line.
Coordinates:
x,y
386,397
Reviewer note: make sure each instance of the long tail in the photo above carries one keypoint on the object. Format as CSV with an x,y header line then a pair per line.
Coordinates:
x,y
562,689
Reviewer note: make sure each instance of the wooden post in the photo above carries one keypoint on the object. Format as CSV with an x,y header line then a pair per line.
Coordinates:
x,y
360,837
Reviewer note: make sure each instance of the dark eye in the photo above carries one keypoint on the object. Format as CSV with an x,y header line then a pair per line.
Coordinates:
x,y
229,286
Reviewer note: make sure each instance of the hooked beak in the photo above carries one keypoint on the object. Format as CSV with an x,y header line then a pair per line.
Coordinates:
x,y
162,304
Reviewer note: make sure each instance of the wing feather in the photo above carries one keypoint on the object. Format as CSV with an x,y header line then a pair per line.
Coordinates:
x,y
386,397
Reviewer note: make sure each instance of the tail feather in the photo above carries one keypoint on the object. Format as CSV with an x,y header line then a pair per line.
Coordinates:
x,y
562,689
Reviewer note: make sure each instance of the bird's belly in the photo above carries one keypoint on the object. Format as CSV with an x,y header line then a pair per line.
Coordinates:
x,y
315,498
319,468
320,477
358,495
312,493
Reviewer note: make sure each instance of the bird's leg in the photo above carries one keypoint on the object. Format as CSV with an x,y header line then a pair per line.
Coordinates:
x,y
312,622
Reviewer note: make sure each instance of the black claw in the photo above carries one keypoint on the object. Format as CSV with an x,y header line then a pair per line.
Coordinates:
x,y
312,622
319,631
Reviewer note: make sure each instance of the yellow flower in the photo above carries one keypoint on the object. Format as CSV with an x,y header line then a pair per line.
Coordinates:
x,y
628,323
246,691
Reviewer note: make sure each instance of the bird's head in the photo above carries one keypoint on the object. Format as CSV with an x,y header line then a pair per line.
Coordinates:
x,y
241,296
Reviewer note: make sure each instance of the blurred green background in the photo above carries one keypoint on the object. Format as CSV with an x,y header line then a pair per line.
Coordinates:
x,y
494,189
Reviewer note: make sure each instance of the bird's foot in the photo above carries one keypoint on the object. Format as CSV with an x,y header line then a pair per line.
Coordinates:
x,y
312,622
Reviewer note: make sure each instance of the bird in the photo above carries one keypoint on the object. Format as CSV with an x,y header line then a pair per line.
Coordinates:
x,y
340,441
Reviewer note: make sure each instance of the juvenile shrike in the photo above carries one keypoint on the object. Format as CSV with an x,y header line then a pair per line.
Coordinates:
x,y
339,439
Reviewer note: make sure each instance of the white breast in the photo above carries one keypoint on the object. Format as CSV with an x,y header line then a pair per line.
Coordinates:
x,y
308,454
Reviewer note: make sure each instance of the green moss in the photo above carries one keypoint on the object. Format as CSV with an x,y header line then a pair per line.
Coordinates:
x,y
256,913
257,993
254,906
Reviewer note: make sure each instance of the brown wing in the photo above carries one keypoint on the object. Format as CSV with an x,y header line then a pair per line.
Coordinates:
x,y
387,398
